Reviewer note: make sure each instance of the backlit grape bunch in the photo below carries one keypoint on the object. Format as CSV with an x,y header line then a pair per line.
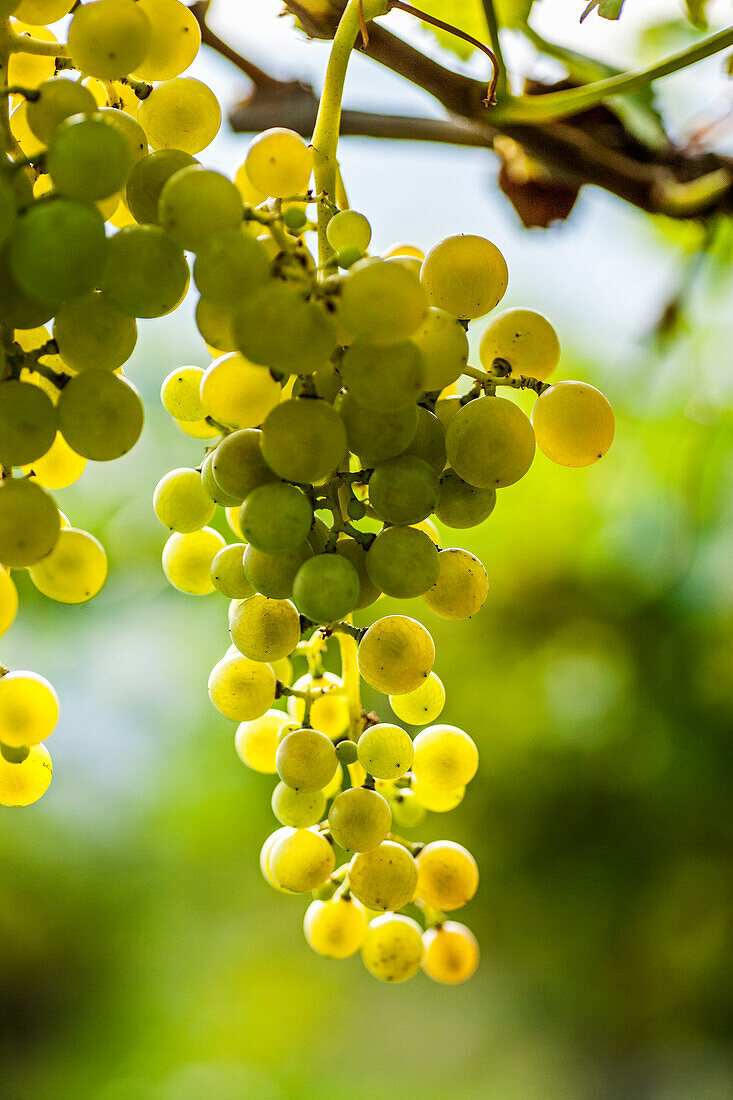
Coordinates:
x,y
339,418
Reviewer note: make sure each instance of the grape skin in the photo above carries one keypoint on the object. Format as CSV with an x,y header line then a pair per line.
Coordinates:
x,y
451,953
445,757
574,423
359,819
490,443
23,784
335,929
384,877
393,949
461,586
447,875
29,709
396,654
241,689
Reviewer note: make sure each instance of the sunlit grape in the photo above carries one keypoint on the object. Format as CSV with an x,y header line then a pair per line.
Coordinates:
x,y
109,39
299,809
385,751
265,629
383,878
238,393
392,950
490,443
227,572
301,860
23,784
306,760
461,505
402,562
447,875
359,819
256,741
525,340
187,560
336,928
396,654
422,705
278,162
74,571
241,689
461,586
181,114
445,757
465,275
451,953
29,709
574,423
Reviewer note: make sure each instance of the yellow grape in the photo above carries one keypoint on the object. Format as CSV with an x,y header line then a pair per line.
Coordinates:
x,y
451,953
465,275
329,712
359,819
256,741
8,600
29,709
181,394
23,784
422,705
241,689
250,194
40,12
461,588
306,760
59,467
393,949
299,809
238,393
180,114
383,878
278,162
265,629
396,655
437,801
385,751
445,757
232,515
109,39
332,789
181,503
447,875
574,423
336,928
198,429
74,571
174,42
525,340
283,669
26,69
490,443
265,858
187,560
302,860
410,250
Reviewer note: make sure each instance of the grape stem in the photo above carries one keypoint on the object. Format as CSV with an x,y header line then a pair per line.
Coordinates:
x,y
350,677
414,847
31,94
24,43
497,377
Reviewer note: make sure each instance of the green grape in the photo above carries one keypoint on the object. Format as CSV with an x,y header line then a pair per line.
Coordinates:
x,y
29,709
174,41
264,629
265,858
256,741
23,784
302,860
181,394
238,465
376,436
346,752
443,344
447,407
196,203
29,523
214,322
58,250
335,929
428,442
181,114
382,302
393,949
402,562
59,467
181,503
40,12
461,587
359,819
383,878
58,99
447,875
385,751
227,572
329,711
422,705
490,443
241,689
187,560
211,486
278,328
437,801
279,163
306,760
230,265
238,393
407,812
445,758
8,601
273,574
451,953
348,229
403,489
574,423
93,332
128,128
525,340
317,537
396,654
147,274
8,208
383,379
465,275
276,517
19,310
86,159
354,552
461,505
100,415
27,423
326,588
109,38
303,440
74,571
299,809
147,179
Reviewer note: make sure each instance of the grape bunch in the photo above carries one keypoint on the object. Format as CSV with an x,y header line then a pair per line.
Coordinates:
x,y
85,138
339,418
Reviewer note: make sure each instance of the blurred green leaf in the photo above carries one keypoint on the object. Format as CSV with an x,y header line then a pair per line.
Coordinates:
x,y
607,9
469,16
697,13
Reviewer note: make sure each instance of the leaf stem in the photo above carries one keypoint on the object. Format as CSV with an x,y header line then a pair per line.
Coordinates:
x,y
502,82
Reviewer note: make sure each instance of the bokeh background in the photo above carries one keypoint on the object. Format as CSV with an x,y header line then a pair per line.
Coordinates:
x,y
142,957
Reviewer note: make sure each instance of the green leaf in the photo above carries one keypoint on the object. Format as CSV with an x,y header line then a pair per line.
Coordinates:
x,y
608,9
469,16
697,14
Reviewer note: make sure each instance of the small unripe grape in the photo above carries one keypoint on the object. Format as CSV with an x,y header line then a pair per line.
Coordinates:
x,y
302,860
241,689
335,929
383,878
396,654
359,819
445,757
264,629
451,953
465,275
300,809
306,760
279,163
393,949
525,340
385,751
346,752
574,423
461,587
349,229
447,875
24,783
29,709
187,560
422,705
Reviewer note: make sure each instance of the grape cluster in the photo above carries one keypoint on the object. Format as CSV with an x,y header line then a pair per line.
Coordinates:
x,y
85,138
339,418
